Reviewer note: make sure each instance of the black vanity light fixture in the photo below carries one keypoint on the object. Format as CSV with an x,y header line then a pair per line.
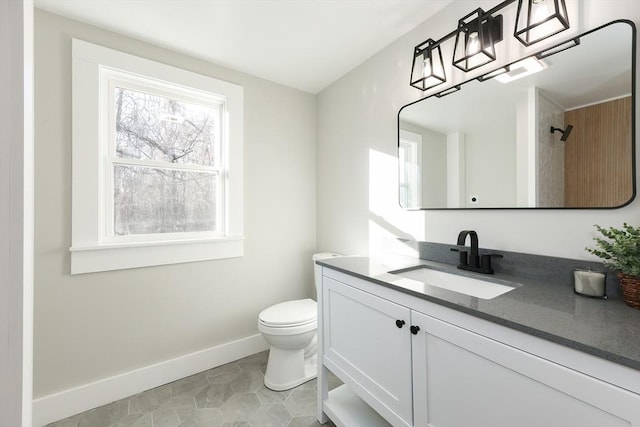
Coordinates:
x,y
537,20
428,68
477,35
559,48
448,91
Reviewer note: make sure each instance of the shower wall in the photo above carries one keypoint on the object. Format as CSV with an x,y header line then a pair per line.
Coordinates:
x,y
597,167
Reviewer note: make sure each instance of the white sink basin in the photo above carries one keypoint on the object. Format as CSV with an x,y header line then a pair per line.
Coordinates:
x,y
465,285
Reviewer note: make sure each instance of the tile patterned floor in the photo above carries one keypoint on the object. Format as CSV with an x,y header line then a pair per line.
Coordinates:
x,y
231,395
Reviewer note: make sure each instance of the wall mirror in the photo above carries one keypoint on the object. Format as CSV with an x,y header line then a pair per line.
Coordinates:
x,y
561,137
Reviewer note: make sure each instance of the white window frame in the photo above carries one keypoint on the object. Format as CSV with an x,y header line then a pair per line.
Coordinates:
x,y
95,69
411,143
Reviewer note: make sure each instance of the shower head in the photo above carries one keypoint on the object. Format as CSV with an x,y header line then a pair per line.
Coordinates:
x,y
565,132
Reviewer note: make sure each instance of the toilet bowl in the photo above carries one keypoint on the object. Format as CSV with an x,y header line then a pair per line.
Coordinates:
x,y
290,330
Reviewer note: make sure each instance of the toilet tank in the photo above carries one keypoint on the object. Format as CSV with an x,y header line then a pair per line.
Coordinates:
x,y
316,267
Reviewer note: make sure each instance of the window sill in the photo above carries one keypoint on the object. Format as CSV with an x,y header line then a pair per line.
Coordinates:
x,y
119,256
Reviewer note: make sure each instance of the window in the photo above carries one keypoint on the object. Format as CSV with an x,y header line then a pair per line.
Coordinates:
x,y
157,163
165,172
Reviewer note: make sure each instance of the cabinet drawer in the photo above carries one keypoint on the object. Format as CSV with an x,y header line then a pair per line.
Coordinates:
x,y
364,346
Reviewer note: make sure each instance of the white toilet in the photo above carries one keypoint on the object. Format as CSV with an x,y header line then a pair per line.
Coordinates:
x,y
290,329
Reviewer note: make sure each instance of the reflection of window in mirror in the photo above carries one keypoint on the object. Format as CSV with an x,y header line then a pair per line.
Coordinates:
x,y
410,166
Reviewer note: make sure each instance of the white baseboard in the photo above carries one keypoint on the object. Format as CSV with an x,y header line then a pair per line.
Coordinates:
x,y
66,403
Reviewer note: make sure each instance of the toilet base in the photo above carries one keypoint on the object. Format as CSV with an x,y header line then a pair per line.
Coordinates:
x,y
287,369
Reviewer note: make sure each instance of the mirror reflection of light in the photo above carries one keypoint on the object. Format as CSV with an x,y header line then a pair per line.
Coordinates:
x,y
473,44
521,69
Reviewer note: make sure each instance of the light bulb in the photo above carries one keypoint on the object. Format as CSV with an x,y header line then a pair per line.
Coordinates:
x,y
473,44
426,68
540,10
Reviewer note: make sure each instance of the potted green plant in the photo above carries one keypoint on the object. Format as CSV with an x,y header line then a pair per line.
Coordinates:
x,y
620,251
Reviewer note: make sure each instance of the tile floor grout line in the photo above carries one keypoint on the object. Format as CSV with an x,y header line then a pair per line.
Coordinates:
x,y
237,398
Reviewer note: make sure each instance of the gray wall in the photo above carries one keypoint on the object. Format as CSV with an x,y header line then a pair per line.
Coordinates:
x,y
93,326
357,121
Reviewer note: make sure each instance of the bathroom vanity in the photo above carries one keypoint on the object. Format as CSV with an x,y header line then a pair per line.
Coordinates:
x,y
412,354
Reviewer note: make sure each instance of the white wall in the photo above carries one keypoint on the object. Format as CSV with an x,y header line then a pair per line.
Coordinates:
x,y
16,211
491,167
357,198
434,168
92,326
526,134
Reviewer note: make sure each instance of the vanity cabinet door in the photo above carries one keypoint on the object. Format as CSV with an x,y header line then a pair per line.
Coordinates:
x,y
465,379
367,344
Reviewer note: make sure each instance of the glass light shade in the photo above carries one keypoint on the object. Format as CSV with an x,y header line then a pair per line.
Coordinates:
x,y
537,20
428,68
475,42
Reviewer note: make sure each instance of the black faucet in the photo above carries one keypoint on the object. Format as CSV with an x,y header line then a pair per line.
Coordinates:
x,y
473,261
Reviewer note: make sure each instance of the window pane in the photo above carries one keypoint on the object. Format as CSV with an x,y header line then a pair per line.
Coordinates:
x,y
152,127
150,200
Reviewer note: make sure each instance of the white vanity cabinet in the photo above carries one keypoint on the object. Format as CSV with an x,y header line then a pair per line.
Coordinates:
x,y
443,368
366,340
466,379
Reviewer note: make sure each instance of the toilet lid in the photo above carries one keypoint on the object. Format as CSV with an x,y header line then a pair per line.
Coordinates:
x,y
290,313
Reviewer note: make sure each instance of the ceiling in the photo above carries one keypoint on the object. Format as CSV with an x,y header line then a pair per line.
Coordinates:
x,y
305,44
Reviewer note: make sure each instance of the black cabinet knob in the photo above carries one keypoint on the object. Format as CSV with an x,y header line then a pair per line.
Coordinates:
x,y
400,323
415,330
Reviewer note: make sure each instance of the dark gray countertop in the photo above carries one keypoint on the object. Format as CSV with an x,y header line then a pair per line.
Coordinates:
x,y
604,328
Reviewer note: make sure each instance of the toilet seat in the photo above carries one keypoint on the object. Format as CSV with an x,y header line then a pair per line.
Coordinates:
x,y
287,330
289,325
289,314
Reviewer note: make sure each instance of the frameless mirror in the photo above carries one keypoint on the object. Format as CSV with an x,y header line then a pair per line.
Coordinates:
x,y
555,131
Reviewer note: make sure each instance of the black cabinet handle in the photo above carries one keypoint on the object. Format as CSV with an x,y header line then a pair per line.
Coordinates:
x,y
400,323
415,330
